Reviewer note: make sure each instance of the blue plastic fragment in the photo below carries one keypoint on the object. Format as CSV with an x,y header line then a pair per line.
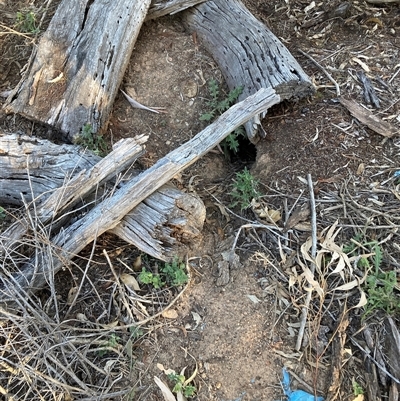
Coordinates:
x,y
396,173
297,395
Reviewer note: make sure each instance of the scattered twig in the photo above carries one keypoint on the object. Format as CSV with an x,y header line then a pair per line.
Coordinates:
x,y
369,90
135,104
329,76
304,311
368,354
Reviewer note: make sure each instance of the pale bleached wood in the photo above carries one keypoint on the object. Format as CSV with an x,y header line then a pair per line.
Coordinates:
x,y
247,53
163,226
159,8
28,158
109,213
34,168
76,70
371,120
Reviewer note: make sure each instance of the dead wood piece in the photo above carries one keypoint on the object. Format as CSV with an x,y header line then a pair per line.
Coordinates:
x,y
158,8
247,53
382,1
338,356
371,121
394,392
76,70
336,11
374,350
109,213
369,91
164,225
391,348
35,169
372,381
79,180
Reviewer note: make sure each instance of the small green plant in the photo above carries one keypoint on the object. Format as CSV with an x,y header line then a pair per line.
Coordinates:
x,y
218,106
179,385
245,188
175,273
136,332
357,388
26,22
172,273
112,342
92,141
2,213
147,277
380,286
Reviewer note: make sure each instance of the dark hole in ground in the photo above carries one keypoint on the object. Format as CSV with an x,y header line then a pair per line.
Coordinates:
x,y
246,153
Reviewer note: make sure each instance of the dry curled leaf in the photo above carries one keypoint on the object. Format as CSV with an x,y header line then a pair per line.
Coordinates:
x,y
130,281
166,392
170,314
72,293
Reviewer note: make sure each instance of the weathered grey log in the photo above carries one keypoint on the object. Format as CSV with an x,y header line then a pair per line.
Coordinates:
x,y
158,8
34,168
247,53
163,226
76,70
30,161
109,213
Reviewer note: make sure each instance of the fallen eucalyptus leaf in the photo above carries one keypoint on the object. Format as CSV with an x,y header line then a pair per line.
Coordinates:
x,y
130,281
166,392
170,314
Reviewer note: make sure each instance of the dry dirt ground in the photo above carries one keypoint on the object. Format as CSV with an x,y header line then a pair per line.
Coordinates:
x,y
242,333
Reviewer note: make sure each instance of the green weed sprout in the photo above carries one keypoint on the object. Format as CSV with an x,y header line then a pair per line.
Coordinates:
x,y
217,107
112,342
357,388
175,273
172,273
245,188
179,385
94,142
147,277
380,286
26,22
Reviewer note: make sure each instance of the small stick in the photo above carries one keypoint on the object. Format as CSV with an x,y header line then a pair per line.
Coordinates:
x,y
329,76
304,311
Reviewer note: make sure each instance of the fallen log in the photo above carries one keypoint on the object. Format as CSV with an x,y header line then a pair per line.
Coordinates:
x,y
76,70
105,216
163,226
247,53
32,167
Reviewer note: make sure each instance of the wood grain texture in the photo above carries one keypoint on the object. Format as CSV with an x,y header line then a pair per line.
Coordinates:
x,y
76,70
247,53
105,216
163,226
35,168
366,117
158,8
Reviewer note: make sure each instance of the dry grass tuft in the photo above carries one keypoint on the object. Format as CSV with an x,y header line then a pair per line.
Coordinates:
x,y
76,342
